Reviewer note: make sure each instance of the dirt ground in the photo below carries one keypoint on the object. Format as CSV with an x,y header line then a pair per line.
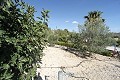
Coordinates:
x,y
56,60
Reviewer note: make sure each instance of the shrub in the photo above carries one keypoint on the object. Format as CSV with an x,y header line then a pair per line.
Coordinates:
x,y
21,40
106,53
65,44
118,42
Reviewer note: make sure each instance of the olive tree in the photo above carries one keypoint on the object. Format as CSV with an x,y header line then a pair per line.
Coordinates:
x,y
94,35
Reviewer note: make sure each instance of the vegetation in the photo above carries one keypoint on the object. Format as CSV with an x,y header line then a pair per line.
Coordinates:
x,y
60,37
116,35
95,35
118,42
51,37
106,53
22,40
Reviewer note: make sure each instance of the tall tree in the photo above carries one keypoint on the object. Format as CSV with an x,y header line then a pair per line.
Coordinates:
x,y
95,35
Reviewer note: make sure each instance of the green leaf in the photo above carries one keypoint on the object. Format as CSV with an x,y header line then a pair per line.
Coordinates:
x,y
6,66
21,39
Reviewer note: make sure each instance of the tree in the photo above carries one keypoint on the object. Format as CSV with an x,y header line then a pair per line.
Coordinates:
x,y
45,16
62,35
21,40
94,34
51,37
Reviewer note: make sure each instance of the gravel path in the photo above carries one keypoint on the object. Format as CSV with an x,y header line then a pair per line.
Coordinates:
x,y
76,68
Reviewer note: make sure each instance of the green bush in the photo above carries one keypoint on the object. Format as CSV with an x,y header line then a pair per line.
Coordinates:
x,y
118,42
65,44
51,37
21,40
106,53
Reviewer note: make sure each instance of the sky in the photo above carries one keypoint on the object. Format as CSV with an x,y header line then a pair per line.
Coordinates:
x,y
67,14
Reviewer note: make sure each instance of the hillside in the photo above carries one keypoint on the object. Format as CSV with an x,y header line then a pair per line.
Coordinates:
x,y
116,34
75,68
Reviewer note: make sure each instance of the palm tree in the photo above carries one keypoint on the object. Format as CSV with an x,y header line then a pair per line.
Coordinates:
x,y
94,16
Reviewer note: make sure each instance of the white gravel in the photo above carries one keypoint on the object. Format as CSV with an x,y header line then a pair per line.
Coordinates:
x,y
99,68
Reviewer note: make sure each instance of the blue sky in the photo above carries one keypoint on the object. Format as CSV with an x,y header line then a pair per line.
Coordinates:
x,y
66,14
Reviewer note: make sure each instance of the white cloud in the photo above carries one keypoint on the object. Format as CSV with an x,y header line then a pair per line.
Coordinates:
x,y
66,21
75,22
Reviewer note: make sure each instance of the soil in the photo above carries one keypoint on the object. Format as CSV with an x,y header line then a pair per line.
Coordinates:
x,y
72,67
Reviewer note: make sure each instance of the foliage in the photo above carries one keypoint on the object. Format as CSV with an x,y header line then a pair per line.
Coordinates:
x,y
116,35
59,37
118,42
70,45
51,37
75,39
106,53
21,40
94,35
44,17
62,35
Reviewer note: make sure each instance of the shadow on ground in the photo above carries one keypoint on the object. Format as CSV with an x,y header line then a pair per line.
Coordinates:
x,y
74,51
38,77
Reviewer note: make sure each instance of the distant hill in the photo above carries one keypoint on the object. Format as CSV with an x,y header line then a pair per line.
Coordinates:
x,y
116,35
